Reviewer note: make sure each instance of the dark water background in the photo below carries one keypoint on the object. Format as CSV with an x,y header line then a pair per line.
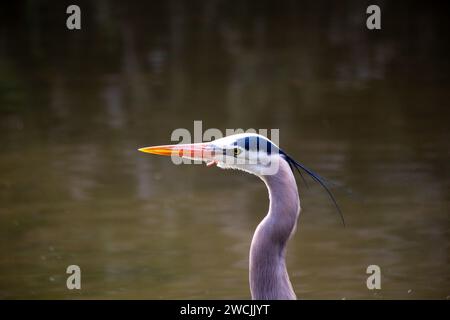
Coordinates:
x,y
366,109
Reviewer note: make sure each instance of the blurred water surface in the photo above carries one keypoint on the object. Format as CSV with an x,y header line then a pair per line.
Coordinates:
x,y
368,110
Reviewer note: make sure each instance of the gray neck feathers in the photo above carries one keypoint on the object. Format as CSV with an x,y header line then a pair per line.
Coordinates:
x,y
268,275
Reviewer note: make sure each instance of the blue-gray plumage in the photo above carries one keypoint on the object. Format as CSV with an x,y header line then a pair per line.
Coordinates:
x,y
268,274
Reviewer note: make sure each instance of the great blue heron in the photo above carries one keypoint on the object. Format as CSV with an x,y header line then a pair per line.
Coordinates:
x,y
257,155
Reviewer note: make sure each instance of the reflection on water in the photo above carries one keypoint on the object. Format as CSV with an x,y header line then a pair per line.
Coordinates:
x,y
369,111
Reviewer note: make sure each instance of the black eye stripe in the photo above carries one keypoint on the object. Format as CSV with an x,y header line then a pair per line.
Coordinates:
x,y
247,143
255,143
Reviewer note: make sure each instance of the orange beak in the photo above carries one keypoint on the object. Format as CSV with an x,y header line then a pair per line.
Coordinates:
x,y
197,151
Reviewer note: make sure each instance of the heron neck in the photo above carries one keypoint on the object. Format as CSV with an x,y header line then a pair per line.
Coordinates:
x,y
268,274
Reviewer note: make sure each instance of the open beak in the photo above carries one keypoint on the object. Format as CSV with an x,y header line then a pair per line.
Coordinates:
x,y
195,151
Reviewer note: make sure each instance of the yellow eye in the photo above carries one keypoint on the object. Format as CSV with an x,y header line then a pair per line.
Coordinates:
x,y
236,151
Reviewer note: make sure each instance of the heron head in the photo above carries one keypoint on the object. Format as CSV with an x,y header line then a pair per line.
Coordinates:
x,y
249,152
